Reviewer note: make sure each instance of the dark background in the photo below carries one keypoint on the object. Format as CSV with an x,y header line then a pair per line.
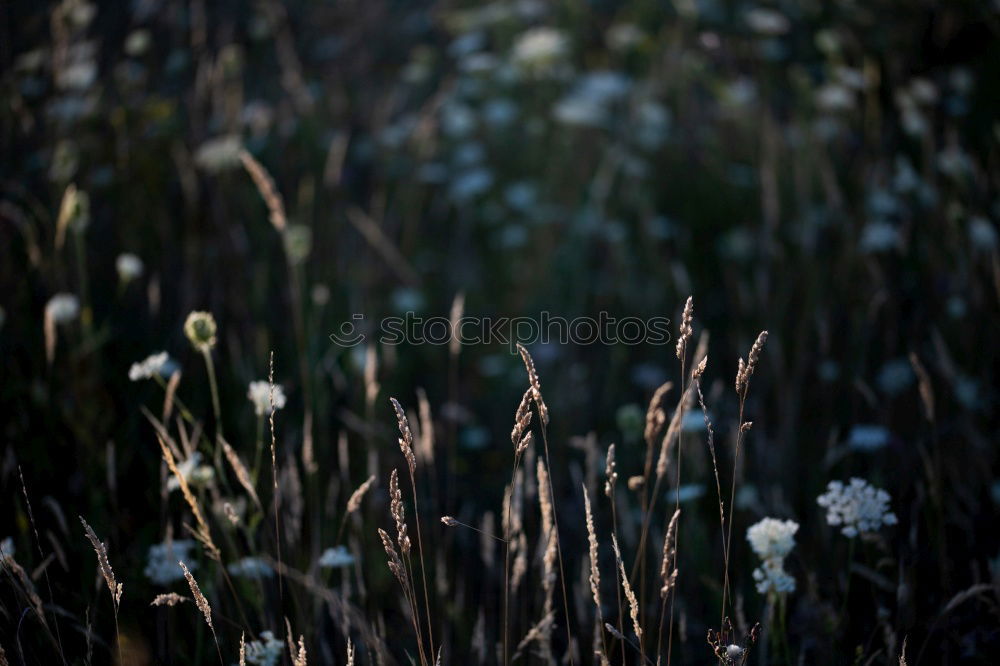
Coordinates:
x,y
801,180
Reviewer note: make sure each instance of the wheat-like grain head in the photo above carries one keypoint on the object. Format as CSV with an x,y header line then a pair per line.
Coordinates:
x,y
169,599
595,572
203,534
242,475
406,435
199,599
633,603
685,330
610,475
354,501
668,565
745,369
395,563
398,512
268,192
102,560
536,386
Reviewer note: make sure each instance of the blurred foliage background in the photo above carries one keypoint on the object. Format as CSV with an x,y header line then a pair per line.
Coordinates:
x,y
824,170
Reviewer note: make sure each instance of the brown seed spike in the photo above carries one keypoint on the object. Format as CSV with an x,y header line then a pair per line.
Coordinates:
x,y
536,387
102,560
406,440
685,330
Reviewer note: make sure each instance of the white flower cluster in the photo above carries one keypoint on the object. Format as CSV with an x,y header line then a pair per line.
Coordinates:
x,y
539,48
7,548
149,367
192,471
162,567
336,557
771,577
265,652
259,394
773,540
63,308
251,567
129,267
859,507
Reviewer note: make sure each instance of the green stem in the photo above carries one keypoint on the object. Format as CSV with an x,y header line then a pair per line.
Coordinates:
x,y
210,366
847,590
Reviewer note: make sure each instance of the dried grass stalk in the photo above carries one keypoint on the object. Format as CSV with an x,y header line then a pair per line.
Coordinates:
x,y
242,475
398,512
354,501
425,448
199,599
169,599
536,386
102,560
203,534
595,572
26,585
685,328
406,435
633,603
668,565
395,563
745,369
268,192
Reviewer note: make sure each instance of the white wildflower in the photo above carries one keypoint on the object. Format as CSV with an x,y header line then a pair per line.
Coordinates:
x,y
771,538
733,652
251,567
539,48
772,578
859,507
265,652
766,21
7,548
982,234
63,308
219,153
200,329
336,557
149,367
866,437
162,568
129,267
259,394
834,97
193,473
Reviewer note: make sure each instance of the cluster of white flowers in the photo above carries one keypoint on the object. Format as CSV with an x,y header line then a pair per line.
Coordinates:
x,y
192,471
7,548
265,652
259,394
772,577
149,367
251,567
162,567
129,267
773,540
539,48
63,308
859,507
336,557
